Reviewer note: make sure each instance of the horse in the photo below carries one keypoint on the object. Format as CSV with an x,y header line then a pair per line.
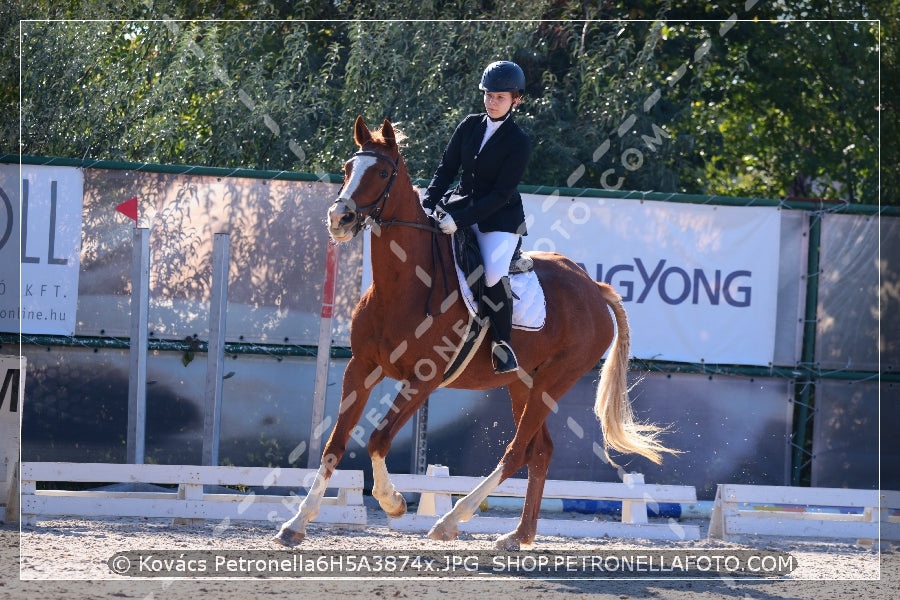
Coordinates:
x,y
394,333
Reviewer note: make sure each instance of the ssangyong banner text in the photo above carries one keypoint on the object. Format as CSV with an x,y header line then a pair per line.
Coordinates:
x,y
699,282
40,232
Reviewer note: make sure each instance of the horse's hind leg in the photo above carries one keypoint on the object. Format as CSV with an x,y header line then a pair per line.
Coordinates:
x,y
357,383
538,459
530,422
411,396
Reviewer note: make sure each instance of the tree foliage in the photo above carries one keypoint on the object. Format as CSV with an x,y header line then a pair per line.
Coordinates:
x,y
633,95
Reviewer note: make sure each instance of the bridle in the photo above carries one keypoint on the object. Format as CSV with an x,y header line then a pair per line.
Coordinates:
x,y
374,217
363,219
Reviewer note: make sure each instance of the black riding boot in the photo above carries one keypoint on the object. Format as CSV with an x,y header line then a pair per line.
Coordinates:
x,y
498,299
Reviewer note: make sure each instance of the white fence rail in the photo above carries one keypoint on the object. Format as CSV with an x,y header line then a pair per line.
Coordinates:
x,y
188,500
804,512
437,488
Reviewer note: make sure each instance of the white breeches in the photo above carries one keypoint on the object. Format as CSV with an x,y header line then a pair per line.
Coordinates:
x,y
497,248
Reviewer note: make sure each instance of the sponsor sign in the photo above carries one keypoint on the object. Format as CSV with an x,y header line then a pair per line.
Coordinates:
x,y
40,245
12,391
699,282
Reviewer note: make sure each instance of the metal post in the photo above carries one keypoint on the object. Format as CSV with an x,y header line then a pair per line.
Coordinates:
x,y
419,454
323,357
137,357
215,359
805,395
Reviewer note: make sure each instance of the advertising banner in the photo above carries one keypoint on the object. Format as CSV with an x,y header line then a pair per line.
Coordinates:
x,y
12,394
699,282
40,232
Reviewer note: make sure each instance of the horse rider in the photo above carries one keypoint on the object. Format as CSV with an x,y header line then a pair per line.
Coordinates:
x,y
492,152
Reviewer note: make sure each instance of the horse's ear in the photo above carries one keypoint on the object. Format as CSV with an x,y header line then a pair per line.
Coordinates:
x,y
361,132
387,132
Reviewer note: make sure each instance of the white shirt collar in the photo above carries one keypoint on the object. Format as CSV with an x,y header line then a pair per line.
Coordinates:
x,y
492,126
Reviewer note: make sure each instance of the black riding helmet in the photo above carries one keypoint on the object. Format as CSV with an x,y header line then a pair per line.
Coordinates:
x,y
503,76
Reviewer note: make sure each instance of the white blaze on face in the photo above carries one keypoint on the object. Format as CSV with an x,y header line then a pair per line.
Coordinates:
x,y
361,164
340,233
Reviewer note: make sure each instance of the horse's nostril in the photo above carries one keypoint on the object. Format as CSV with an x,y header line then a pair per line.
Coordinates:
x,y
347,218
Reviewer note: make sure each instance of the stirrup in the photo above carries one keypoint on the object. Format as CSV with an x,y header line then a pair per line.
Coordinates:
x,y
504,358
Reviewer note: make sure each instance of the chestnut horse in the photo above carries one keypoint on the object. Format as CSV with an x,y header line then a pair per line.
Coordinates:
x,y
395,334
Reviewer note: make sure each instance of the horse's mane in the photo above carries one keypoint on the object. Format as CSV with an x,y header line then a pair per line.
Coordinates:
x,y
378,136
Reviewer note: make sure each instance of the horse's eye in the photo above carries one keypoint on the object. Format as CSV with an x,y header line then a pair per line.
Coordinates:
x,y
384,174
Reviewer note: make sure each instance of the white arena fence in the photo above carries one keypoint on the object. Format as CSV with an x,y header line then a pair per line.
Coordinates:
x,y
758,510
739,510
437,488
189,500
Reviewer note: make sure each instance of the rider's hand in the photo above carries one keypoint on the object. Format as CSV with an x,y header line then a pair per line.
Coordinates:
x,y
447,224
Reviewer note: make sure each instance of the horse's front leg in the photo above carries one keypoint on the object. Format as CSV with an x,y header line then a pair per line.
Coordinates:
x,y
412,394
357,384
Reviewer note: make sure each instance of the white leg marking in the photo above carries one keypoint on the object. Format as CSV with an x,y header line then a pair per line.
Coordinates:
x,y
309,508
382,488
447,527
466,507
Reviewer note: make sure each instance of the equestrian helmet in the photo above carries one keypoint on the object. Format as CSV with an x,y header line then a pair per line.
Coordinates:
x,y
503,76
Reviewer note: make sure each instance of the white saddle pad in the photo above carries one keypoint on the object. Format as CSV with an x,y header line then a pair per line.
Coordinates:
x,y
529,304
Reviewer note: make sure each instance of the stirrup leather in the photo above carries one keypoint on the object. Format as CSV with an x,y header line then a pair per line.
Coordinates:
x,y
504,358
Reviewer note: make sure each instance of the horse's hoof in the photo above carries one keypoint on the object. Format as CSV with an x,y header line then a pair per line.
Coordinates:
x,y
289,537
442,532
399,511
507,543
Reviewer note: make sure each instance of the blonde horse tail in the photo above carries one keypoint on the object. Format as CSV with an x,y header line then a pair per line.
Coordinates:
x,y
621,431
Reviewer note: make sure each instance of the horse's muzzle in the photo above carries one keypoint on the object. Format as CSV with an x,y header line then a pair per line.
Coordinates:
x,y
341,221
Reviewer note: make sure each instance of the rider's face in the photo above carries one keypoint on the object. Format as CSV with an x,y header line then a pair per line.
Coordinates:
x,y
498,104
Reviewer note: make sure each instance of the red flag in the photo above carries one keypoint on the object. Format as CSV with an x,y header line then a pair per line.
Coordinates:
x,y
129,208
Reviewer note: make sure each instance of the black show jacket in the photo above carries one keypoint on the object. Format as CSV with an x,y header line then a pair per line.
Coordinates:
x,y
489,178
